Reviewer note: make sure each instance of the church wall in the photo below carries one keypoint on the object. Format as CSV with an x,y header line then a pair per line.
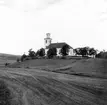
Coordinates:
x,y
71,52
46,50
58,51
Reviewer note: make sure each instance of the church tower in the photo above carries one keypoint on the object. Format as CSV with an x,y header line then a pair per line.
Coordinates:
x,y
47,40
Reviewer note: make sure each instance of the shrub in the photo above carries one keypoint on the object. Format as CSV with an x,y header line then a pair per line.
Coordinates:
x,y
18,60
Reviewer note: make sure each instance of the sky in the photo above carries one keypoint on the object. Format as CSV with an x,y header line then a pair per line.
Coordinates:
x,y
24,24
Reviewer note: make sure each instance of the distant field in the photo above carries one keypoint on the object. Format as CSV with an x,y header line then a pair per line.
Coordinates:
x,y
84,67
3,61
7,58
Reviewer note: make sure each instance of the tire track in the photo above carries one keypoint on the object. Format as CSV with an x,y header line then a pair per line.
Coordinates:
x,y
42,90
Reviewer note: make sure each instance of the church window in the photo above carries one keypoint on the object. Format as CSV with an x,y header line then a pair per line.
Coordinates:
x,y
50,41
46,41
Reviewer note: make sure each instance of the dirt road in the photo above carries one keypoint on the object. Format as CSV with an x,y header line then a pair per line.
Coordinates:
x,y
33,87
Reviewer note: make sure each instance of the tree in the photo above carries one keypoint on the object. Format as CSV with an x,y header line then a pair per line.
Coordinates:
x,y
92,51
31,54
40,52
52,52
64,50
102,54
99,55
84,51
23,57
77,51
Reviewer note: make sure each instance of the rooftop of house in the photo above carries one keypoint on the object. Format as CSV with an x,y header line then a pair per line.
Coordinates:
x,y
57,45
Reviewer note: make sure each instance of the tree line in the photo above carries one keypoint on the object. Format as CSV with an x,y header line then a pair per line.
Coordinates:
x,y
51,53
85,51
64,51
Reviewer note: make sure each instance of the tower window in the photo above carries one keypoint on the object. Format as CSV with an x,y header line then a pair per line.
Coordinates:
x,y
50,41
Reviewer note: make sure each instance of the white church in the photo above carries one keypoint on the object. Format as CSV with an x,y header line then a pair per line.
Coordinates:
x,y
58,46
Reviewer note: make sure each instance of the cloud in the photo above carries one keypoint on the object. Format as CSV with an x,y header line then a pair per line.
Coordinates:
x,y
29,5
103,13
52,1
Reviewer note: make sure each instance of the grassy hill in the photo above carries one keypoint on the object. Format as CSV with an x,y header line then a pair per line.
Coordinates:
x,y
44,63
7,58
88,67
84,67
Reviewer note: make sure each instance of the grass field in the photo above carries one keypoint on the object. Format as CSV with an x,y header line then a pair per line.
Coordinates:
x,y
55,82
85,67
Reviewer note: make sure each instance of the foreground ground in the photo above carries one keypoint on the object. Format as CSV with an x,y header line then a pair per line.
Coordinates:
x,y
38,87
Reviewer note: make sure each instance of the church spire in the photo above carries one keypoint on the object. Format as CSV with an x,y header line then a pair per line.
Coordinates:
x,y
47,40
48,35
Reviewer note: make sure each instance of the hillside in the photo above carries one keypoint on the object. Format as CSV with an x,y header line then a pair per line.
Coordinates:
x,y
44,63
7,58
84,67
87,67
54,82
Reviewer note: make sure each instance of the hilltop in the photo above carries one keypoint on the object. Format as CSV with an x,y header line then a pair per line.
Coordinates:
x,y
9,56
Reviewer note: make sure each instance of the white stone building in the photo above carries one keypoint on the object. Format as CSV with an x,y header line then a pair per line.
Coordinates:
x,y
58,46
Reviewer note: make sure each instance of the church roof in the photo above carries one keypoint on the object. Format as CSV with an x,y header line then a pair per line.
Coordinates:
x,y
57,45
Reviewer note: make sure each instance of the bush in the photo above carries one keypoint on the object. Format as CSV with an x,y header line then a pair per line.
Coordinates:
x,y
7,64
18,60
